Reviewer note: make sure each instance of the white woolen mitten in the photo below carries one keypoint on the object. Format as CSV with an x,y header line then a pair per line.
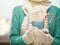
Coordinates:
x,y
28,35
47,39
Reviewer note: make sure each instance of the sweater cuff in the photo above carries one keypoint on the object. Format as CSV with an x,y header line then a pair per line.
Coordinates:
x,y
16,40
56,41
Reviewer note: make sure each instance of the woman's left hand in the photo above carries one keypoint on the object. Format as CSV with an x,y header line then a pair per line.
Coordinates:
x,y
47,39
42,37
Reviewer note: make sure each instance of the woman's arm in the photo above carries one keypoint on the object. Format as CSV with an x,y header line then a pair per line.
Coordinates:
x,y
57,30
15,37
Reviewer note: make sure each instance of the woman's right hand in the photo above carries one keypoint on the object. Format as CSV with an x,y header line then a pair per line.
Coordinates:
x,y
28,35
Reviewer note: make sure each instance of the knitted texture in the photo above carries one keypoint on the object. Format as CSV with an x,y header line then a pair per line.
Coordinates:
x,y
35,14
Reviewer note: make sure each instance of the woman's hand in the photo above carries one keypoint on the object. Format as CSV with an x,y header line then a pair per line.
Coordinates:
x,y
47,39
42,37
28,36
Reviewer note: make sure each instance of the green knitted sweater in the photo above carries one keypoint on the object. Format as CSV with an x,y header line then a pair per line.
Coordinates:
x,y
17,19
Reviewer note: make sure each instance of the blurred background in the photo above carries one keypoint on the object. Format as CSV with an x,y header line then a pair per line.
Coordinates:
x,y
6,8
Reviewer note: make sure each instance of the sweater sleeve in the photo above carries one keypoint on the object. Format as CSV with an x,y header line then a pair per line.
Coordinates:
x,y
15,37
57,30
